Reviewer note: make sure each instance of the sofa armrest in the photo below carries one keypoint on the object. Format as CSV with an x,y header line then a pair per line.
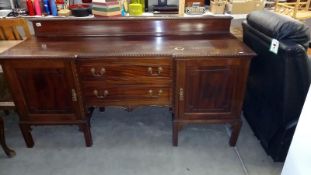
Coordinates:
x,y
297,78
281,141
291,125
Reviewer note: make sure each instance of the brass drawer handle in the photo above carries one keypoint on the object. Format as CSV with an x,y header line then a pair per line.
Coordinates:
x,y
105,94
151,93
74,95
99,73
150,70
181,94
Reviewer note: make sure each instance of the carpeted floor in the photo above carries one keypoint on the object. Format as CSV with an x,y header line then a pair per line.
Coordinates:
x,y
138,143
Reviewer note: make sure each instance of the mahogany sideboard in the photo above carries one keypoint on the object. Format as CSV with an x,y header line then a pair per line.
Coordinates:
x,y
193,65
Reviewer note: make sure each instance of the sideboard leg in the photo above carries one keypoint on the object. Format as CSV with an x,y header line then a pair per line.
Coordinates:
x,y
6,112
80,128
102,109
87,134
175,133
25,128
9,152
88,123
236,127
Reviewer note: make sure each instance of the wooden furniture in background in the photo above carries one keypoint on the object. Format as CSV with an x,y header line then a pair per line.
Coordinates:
x,y
9,152
193,65
189,3
5,45
6,102
298,10
9,29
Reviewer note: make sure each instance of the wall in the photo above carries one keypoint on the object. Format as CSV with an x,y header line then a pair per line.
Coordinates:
x,y
5,4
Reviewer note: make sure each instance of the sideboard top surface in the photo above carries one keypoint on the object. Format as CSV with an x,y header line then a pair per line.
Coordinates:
x,y
130,37
129,18
84,47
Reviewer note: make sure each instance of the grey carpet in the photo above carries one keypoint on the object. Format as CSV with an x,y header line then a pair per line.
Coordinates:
x,y
131,143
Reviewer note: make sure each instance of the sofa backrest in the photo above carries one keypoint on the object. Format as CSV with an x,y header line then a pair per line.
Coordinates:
x,y
282,28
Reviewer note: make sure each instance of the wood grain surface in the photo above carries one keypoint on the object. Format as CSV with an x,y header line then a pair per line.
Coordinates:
x,y
195,66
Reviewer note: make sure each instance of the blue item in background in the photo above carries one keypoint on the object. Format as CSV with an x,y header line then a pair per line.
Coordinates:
x,y
46,7
53,7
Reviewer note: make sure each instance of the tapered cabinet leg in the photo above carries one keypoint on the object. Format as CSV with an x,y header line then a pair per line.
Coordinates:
x,y
6,112
26,131
81,127
102,109
173,117
175,133
9,152
87,134
236,127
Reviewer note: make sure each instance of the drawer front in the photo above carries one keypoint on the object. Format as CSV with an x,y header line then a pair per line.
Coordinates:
x,y
127,95
126,71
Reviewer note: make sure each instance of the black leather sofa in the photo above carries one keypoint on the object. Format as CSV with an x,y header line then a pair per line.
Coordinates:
x,y
277,83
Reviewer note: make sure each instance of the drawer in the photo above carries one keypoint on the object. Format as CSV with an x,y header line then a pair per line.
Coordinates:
x,y
138,71
125,95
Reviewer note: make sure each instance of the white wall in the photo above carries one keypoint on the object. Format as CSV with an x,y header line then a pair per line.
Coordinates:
x,y
5,4
298,161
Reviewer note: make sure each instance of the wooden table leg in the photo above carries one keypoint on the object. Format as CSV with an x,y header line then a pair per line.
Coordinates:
x,y
9,152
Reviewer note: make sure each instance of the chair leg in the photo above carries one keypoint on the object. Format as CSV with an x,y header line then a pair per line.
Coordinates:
x,y
9,152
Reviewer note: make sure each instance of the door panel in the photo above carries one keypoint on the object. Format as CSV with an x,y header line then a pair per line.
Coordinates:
x,y
208,89
45,90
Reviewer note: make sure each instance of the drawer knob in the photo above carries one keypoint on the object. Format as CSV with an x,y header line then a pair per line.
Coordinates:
x,y
105,94
151,93
157,73
99,73
160,91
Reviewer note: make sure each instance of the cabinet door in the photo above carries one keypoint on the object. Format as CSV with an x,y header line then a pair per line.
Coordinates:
x,y
44,90
210,88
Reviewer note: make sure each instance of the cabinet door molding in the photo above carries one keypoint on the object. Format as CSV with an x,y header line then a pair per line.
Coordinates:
x,y
45,92
209,91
